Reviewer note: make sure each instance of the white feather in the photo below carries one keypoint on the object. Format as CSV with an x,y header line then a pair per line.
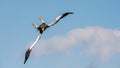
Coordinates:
x,y
55,21
37,39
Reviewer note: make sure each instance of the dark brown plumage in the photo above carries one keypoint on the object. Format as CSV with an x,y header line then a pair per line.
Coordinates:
x,y
27,54
42,27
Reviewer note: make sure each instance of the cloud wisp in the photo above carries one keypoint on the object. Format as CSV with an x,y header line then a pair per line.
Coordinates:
x,y
97,40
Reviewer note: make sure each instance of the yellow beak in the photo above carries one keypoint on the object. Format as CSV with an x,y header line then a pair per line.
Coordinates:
x,y
43,29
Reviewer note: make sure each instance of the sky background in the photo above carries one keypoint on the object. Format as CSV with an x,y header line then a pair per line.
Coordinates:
x,y
89,38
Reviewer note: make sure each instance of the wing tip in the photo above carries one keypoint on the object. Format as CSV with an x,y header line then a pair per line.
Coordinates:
x,y
27,54
24,61
71,12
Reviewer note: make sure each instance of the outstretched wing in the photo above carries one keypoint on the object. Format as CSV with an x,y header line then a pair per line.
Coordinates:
x,y
60,17
27,54
37,39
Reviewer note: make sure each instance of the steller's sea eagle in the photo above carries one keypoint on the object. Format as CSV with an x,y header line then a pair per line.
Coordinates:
x,y
41,29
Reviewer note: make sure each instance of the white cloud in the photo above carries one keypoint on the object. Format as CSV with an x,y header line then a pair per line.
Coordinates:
x,y
97,40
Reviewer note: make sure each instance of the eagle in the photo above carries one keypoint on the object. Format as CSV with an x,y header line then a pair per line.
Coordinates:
x,y
41,28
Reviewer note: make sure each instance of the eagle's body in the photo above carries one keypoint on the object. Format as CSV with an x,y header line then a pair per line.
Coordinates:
x,y
41,29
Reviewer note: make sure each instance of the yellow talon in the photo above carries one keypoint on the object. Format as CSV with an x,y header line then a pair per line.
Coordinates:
x,y
34,25
41,19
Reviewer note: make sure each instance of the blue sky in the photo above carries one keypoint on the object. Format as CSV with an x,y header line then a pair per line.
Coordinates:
x,y
89,38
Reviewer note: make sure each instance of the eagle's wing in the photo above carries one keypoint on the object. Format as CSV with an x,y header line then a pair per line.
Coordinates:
x,y
60,17
37,39
30,48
